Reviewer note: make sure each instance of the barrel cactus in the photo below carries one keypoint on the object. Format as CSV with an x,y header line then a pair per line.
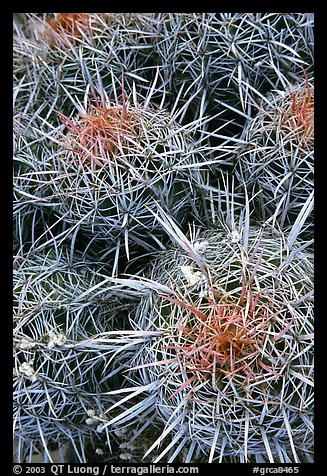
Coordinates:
x,y
217,60
58,54
115,162
227,352
60,365
277,154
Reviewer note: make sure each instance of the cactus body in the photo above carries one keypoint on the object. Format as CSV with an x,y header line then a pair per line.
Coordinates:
x,y
60,371
115,163
60,54
220,59
232,346
277,157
